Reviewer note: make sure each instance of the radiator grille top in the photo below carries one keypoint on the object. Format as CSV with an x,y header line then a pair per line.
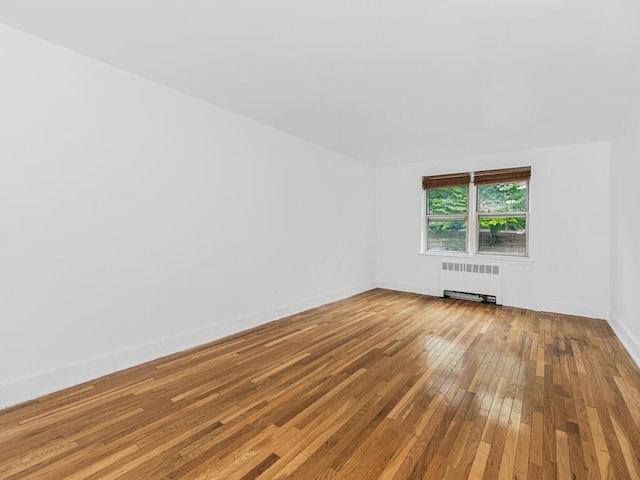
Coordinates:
x,y
471,268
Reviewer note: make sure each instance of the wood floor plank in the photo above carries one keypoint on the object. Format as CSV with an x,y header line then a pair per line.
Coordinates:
x,y
383,385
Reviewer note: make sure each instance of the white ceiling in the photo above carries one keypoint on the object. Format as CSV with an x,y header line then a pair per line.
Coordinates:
x,y
384,81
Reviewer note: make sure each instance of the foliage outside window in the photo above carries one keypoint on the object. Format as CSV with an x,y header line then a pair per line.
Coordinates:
x,y
502,218
447,219
493,221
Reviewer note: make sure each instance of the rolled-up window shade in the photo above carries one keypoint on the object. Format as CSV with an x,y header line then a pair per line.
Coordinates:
x,y
504,175
444,181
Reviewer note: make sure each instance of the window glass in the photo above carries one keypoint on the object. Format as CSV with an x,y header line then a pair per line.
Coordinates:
x,y
447,235
502,235
502,197
447,201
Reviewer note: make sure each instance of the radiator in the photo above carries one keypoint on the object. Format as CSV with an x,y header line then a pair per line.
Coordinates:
x,y
472,278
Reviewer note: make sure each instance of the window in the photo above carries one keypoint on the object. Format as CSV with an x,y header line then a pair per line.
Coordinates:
x,y
447,212
484,212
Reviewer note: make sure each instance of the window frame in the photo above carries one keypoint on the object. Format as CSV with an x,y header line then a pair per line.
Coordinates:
x,y
515,214
473,221
445,216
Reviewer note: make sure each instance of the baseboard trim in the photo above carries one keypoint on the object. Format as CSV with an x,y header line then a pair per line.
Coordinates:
x,y
556,307
568,309
407,287
48,381
630,342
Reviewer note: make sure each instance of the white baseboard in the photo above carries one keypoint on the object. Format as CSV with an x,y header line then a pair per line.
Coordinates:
x,y
629,341
556,307
568,309
406,287
44,382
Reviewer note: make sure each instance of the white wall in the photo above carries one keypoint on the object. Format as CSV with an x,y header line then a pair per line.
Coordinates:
x,y
569,229
136,221
625,236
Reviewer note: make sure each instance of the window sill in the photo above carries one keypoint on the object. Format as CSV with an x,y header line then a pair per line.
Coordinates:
x,y
480,257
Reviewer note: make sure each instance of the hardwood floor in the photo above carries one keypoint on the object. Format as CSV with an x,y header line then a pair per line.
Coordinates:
x,y
382,385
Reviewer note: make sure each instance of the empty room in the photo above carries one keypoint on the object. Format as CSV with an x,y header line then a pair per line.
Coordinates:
x,y
319,239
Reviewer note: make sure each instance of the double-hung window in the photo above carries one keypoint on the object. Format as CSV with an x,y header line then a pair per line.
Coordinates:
x,y
447,219
485,212
502,211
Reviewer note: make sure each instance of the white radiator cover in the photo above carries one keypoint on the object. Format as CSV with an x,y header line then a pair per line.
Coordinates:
x,y
472,277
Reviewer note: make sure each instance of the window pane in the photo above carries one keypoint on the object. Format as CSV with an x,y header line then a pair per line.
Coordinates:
x,y
447,235
503,235
502,197
451,200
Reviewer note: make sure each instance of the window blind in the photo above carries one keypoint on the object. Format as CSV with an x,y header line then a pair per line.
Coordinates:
x,y
448,180
504,175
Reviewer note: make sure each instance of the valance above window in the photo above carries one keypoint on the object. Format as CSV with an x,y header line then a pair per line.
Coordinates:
x,y
483,177
444,181
503,175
